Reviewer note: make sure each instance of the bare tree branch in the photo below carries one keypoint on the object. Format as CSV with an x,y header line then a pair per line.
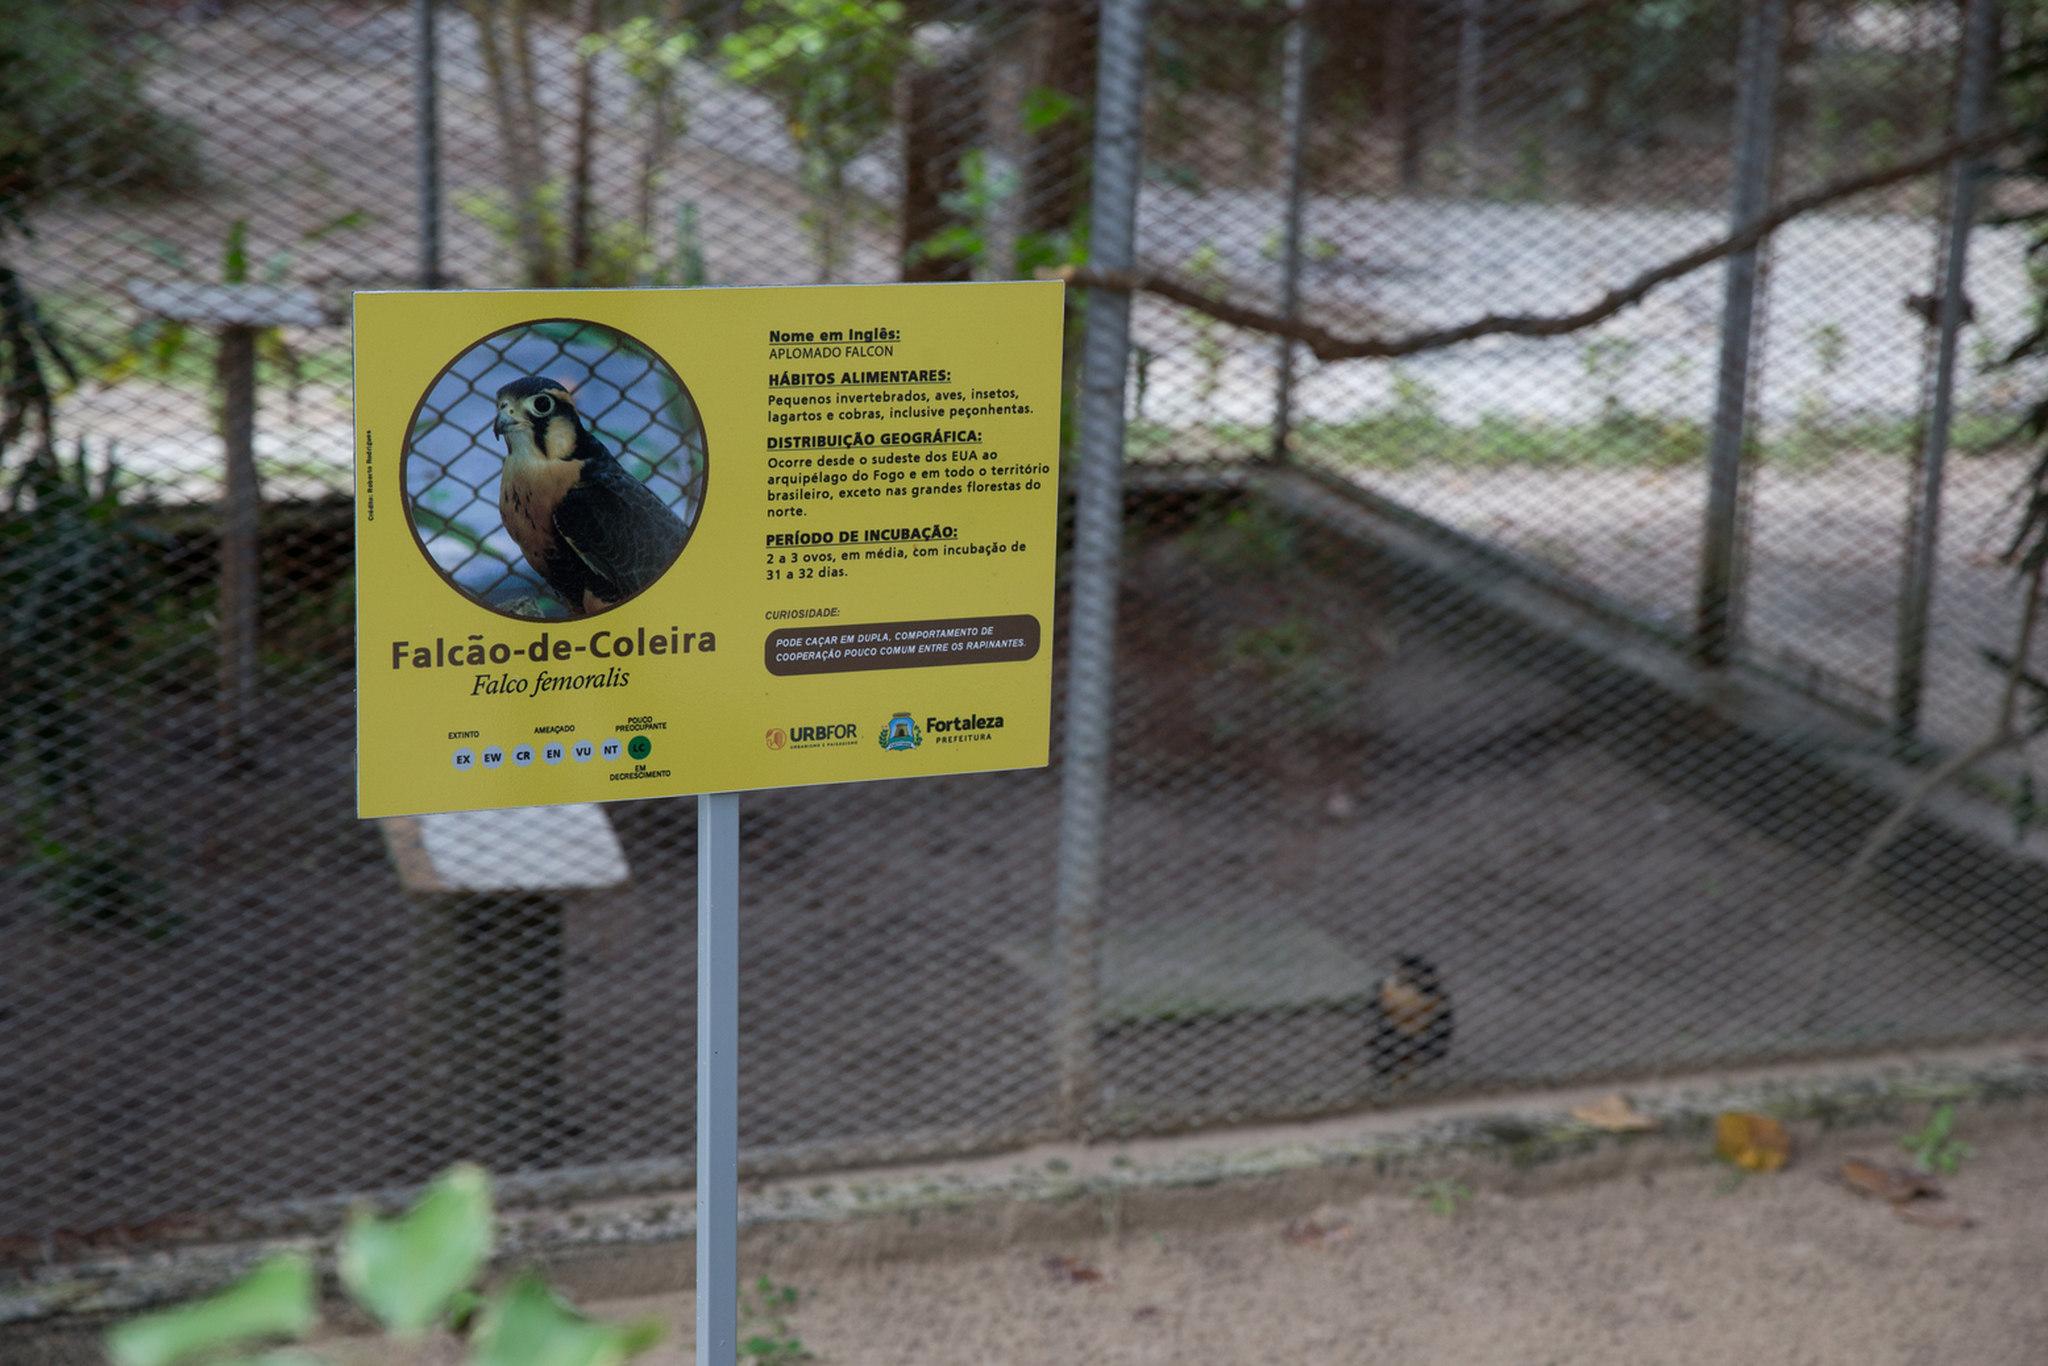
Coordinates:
x,y
2005,734
1329,346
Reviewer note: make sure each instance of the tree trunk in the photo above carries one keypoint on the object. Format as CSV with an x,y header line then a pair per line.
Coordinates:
x,y
1400,95
942,121
580,156
518,133
1055,168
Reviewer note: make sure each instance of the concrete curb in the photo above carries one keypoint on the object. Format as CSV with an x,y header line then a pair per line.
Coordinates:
x,y
1522,1143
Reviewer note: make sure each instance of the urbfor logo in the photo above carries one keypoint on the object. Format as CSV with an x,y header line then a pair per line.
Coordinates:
x,y
958,730
829,735
777,737
900,733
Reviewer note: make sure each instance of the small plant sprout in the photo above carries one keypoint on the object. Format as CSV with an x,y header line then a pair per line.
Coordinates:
x,y
1934,1149
765,1308
1205,268
1444,1195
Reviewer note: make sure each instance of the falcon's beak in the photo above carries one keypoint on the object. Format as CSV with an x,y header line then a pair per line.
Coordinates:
x,y
502,424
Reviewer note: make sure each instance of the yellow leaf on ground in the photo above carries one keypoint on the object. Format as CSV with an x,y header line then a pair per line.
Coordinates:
x,y
1755,1143
1614,1114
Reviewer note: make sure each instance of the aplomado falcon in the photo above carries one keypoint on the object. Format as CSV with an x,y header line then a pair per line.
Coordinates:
x,y
1413,1025
595,533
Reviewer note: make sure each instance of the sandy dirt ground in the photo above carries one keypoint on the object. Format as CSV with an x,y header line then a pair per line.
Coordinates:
x,y
1684,1264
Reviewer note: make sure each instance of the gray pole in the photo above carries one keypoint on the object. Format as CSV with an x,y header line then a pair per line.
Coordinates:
x,y
1294,114
426,97
1923,518
1098,529
718,1078
1763,35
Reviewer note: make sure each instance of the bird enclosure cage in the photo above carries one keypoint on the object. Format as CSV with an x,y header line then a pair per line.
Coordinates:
x,y
1408,615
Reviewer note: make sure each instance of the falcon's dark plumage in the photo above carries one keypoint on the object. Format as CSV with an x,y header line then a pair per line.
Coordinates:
x,y
593,531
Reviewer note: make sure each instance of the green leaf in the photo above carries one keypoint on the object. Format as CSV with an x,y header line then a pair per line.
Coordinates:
x,y
1044,107
274,1300
527,1325
234,264
406,1270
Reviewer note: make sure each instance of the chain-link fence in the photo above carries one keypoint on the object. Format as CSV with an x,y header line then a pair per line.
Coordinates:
x,y
1560,675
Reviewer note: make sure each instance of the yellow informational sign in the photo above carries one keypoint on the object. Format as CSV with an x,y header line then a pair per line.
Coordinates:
x,y
640,543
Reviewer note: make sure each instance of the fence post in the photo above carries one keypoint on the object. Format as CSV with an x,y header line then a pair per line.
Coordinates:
x,y
1294,115
1098,530
240,539
427,101
1923,513
1763,34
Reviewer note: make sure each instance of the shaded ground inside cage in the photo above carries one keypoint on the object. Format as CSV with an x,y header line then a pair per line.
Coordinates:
x,y
1307,731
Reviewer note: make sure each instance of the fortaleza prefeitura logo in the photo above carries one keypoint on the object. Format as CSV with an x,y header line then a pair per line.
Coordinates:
x,y
903,732
900,733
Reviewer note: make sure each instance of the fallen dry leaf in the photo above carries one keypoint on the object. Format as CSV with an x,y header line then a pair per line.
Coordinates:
x,y
1934,1218
1614,1114
1313,1232
1755,1143
1072,1270
1896,1184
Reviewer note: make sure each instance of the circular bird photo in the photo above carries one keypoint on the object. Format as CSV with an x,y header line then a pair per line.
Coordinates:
x,y
555,469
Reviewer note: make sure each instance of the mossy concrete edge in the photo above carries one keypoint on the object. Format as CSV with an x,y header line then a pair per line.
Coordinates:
x,y
1524,1142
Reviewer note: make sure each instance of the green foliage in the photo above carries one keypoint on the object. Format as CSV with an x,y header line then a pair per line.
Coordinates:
x,y
406,1270
34,366
412,1274
1204,269
1934,1148
1443,1196
977,206
1412,433
276,1300
166,348
766,1307
653,56
1633,67
73,113
830,67
1247,540
74,557
619,254
1300,668
529,1325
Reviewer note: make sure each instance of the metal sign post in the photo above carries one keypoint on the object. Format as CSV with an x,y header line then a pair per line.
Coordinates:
x,y
718,1077
559,604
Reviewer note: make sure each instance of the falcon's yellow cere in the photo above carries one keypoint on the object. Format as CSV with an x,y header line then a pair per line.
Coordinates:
x,y
614,543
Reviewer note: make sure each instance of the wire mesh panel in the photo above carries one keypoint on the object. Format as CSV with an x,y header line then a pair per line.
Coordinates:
x,y
1385,771
224,996
1417,782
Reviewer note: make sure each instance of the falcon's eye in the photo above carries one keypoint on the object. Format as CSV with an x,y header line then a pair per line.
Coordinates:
x,y
543,405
